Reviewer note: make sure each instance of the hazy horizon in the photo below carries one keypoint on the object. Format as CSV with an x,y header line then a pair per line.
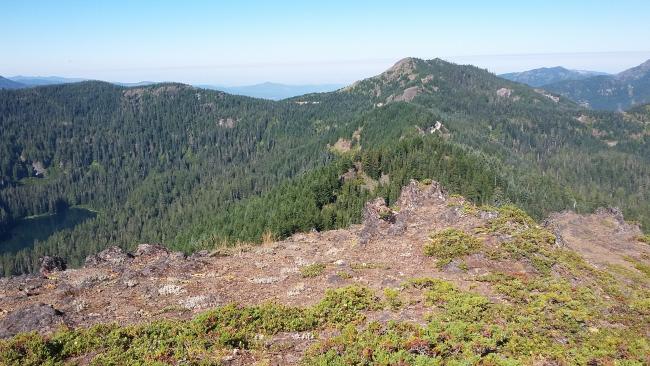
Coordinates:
x,y
297,43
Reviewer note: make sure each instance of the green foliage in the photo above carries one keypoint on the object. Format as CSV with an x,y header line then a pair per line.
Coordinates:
x,y
345,305
528,239
644,239
151,155
450,244
510,220
198,341
344,275
312,270
543,319
645,268
392,298
537,319
167,154
366,265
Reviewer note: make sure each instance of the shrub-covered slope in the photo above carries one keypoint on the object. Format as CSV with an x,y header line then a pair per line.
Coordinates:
x,y
431,280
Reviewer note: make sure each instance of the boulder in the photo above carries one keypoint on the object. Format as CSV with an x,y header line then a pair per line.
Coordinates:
x,y
51,264
40,317
376,216
622,227
113,255
150,250
415,194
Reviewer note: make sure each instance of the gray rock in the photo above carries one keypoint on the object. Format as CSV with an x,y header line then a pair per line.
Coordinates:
x,y
334,279
177,256
414,194
376,216
51,264
199,255
614,212
39,317
401,220
488,215
113,255
150,250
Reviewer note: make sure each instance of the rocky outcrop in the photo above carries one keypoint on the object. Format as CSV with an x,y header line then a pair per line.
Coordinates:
x,y
603,238
504,92
616,214
113,255
150,250
51,264
153,283
407,95
405,67
377,217
41,317
415,194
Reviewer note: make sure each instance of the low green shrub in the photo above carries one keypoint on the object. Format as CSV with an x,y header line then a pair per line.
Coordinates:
x,y
644,238
392,298
312,270
345,305
449,244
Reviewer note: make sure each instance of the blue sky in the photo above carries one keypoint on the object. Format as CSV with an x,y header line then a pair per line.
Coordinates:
x,y
243,42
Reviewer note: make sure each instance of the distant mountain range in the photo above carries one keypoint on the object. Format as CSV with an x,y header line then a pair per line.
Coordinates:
x,y
275,91
548,75
189,168
9,84
608,92
28,81
591,89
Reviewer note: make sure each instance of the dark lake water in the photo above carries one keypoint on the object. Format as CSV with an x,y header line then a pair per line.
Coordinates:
x,y
26,231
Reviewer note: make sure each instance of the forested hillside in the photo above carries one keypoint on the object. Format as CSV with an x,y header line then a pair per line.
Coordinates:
x,y
548,75
150,160
194,169
601,157
608,92
9,84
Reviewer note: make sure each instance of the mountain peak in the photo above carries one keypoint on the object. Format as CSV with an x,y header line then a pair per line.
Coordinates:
x,y
9,84
548,75
607,92
636,72
403,67
403,81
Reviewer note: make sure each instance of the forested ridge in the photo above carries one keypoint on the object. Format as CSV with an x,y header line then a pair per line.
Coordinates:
x,y
195,169
621,91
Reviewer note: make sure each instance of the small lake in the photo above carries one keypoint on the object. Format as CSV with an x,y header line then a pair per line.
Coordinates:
x,y
27,230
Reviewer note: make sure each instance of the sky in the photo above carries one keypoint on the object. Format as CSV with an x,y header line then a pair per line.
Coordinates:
x,y
311,42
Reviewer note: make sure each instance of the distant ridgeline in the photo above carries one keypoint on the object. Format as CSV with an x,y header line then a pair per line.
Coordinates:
x,y
194,168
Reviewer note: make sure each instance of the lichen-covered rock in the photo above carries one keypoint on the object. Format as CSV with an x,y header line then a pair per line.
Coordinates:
x,y
415,194
199,255
51,264
113,255
41,317
150,250
614,212
623,227
376,216
199,302
170,289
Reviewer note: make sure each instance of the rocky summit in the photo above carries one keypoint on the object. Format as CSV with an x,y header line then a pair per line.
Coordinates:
x,y
429,280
